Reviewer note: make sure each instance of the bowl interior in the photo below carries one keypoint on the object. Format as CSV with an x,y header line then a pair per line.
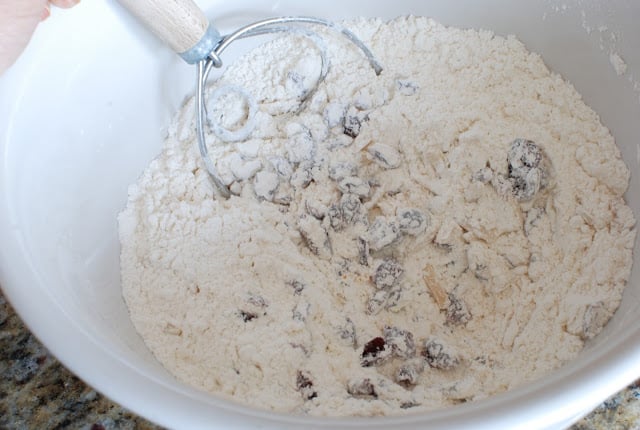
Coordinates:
x,y
83,116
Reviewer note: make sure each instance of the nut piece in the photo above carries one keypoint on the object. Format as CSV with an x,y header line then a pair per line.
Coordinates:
x,y
438,294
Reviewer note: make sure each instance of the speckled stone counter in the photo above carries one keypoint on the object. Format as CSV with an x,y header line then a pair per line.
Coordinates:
x,y
36,392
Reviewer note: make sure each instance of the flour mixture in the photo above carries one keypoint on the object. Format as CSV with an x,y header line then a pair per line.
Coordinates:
x,y
437,234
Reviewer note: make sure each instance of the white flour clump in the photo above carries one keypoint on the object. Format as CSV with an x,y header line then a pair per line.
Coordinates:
x,y
442,232
618,63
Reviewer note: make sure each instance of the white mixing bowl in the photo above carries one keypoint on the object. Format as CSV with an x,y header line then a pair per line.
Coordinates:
x,y
83,112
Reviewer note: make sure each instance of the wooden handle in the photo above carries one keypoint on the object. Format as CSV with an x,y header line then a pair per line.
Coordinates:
x,y
181,24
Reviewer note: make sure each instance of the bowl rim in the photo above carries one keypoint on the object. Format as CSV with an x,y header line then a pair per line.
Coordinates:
x,y
535,405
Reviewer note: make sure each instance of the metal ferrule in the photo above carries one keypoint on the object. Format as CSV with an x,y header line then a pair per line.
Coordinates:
x,y
204,47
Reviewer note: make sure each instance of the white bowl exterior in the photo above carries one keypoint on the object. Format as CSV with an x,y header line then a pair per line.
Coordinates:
x,y
84,111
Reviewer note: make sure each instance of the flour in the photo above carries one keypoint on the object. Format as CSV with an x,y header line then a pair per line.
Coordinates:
x,y
618,63
437,234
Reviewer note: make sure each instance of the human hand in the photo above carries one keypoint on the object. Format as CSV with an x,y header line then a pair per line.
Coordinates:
x,y
18,21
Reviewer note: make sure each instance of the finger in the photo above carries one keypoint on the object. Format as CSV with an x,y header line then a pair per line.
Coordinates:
x,y
18,19
46,13
65,4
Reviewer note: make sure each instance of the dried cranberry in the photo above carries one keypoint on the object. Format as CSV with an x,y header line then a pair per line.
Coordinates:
x,y
374,352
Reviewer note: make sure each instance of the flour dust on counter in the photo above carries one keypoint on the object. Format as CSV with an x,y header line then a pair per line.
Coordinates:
x,y
437,234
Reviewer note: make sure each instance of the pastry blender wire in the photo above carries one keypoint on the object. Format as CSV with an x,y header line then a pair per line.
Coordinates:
x,y
182,25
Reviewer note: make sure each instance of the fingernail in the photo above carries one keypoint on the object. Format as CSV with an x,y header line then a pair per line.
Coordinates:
x,y
64,3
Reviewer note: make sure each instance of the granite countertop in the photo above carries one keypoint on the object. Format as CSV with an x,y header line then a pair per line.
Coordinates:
x,y
37,392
